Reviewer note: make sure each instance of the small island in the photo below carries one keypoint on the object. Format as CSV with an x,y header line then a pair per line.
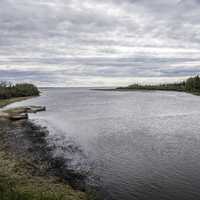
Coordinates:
x,y
191,85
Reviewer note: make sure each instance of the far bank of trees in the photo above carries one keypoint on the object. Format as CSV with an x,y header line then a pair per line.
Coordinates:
x,y
193,84
8,90
190,85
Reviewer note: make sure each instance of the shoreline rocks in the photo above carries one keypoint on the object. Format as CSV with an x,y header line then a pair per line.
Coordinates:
x,y
20,113
18,116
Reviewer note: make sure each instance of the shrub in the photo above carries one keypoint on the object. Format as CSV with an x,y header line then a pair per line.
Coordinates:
x,y
7,90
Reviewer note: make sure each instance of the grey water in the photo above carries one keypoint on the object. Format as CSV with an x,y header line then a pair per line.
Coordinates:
x,y
135,145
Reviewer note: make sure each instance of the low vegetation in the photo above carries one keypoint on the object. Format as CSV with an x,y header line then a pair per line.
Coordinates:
x,y
26,169
16,183
8,90
191,85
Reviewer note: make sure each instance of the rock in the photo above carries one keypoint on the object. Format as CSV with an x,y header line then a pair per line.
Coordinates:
x,y
19,116
21,112
28,109
4,115
35,109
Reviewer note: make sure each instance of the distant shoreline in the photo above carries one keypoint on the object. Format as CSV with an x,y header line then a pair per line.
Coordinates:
x,y
145,90
191,85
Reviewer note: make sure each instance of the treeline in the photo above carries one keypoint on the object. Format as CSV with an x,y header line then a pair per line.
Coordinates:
x,y
193,84
190,85
8,90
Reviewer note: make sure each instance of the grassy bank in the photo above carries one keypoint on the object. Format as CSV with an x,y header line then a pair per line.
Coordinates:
x,y
191,85
26,171
16,183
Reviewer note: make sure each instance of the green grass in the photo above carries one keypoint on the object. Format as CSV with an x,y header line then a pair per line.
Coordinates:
x,y
16,183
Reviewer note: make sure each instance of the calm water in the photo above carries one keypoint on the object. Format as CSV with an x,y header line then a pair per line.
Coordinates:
x,y
136,145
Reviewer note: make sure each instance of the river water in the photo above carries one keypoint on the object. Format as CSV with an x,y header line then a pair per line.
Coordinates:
x,y
135,145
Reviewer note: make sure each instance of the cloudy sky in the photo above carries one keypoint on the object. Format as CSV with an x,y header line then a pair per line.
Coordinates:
x,y
98,43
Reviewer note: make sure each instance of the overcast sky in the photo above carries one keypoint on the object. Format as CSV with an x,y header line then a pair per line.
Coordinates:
x,y
93,42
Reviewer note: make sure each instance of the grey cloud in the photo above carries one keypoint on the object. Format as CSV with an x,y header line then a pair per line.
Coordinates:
x,y
113,38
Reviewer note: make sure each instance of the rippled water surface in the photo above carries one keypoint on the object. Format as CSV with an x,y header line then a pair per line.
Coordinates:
x,y
138,145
